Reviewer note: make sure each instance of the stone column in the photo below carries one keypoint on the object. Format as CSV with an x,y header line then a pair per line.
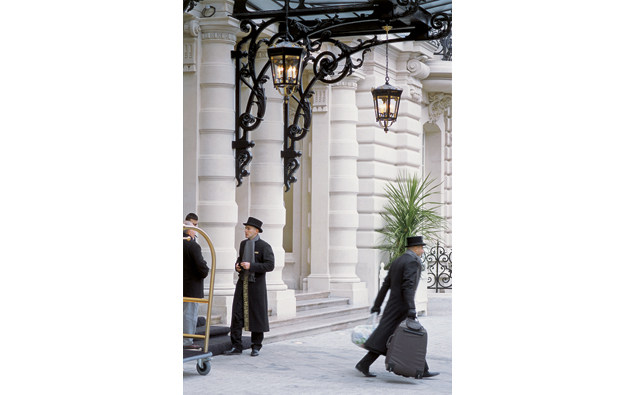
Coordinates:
x,y
410,71
375,167
437,89
217,208
447,187
343,189
191,31
318,280
267,200
440,113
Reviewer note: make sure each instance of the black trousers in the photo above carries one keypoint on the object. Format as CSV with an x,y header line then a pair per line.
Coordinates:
x,y
367,360
236,332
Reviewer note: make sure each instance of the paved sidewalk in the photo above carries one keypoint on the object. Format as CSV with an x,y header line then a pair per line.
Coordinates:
x,y
325,364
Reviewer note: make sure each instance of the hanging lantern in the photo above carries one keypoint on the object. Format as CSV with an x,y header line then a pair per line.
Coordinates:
x,y
386,101
286,58
386,97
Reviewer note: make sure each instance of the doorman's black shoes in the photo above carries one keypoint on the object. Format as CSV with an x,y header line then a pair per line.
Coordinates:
x,y
233,351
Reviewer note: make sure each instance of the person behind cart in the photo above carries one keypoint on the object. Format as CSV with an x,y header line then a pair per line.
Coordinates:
x,y
402,279
249,307
194,272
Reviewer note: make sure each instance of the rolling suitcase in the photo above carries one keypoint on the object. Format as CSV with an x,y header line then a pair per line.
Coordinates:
x,y
406,354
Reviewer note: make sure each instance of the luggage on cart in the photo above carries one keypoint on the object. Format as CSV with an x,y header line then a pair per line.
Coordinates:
x,y
406,355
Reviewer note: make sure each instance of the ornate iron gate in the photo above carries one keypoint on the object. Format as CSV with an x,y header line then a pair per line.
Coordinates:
x,y
439,264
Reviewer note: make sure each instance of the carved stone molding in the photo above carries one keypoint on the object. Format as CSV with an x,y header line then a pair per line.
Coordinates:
x,y
415,94
219,36
345,84
321,99
189,55
439,102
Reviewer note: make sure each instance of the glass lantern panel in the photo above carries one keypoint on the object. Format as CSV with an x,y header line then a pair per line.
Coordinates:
x,y
392,107
292,69
382,106
277,64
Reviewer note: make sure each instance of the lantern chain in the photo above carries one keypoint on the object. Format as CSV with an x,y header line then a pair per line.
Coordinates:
x,y
387,28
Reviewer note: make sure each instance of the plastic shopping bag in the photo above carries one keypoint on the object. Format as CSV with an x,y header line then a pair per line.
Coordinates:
x,y
361,333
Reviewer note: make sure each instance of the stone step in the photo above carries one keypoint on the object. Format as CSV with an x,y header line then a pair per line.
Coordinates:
x,y
314,315
319,303
311,295
316,326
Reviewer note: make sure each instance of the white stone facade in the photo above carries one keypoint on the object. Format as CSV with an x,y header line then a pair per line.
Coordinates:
x,y
323,230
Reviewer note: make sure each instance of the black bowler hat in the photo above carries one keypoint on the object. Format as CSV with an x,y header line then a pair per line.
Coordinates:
x,y
414,241
256,223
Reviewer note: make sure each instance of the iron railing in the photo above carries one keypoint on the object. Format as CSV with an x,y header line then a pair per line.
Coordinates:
x,y
439,264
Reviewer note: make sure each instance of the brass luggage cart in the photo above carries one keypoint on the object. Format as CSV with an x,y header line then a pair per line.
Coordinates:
x,y
202,358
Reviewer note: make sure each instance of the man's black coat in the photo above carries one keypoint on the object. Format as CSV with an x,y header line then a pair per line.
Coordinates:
x,y
194,268
402,280
256,291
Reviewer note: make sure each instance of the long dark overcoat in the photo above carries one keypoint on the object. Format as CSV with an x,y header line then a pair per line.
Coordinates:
x,y
402,280
257,291
194,268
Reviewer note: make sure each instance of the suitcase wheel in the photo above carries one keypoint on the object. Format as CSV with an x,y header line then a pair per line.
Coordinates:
x,y
419,374
390,367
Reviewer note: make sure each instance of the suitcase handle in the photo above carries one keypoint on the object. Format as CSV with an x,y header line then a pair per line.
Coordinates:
x,y
389,341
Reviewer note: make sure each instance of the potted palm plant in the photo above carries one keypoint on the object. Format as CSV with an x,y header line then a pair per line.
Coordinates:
x,y
409,212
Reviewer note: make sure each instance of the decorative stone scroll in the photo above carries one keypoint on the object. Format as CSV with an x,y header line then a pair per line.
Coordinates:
x,y
192,28
439,102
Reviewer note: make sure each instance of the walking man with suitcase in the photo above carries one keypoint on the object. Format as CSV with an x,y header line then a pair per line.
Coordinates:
x,y
402,280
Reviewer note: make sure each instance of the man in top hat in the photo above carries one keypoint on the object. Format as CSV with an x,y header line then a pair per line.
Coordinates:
x,y
249,308
402,279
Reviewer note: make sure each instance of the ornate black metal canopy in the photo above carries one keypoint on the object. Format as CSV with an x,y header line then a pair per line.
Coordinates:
x,y
345,18
311,24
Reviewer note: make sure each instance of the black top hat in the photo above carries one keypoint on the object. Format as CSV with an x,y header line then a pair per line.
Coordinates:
x,y
256,223
414,241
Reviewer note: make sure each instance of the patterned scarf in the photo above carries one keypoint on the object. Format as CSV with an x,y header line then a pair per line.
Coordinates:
x,y
249,255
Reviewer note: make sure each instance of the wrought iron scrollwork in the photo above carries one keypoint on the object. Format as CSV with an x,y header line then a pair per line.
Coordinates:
x,y
188,5
256,105
439,264
445,45
328,66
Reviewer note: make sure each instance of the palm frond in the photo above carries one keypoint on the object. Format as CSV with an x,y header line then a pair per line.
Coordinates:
x,y
408,212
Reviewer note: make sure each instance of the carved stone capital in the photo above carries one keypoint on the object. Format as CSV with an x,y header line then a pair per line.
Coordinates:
x,y
439,102
219,29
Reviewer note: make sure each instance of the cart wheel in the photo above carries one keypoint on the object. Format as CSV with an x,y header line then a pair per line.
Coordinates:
x,y
205,369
